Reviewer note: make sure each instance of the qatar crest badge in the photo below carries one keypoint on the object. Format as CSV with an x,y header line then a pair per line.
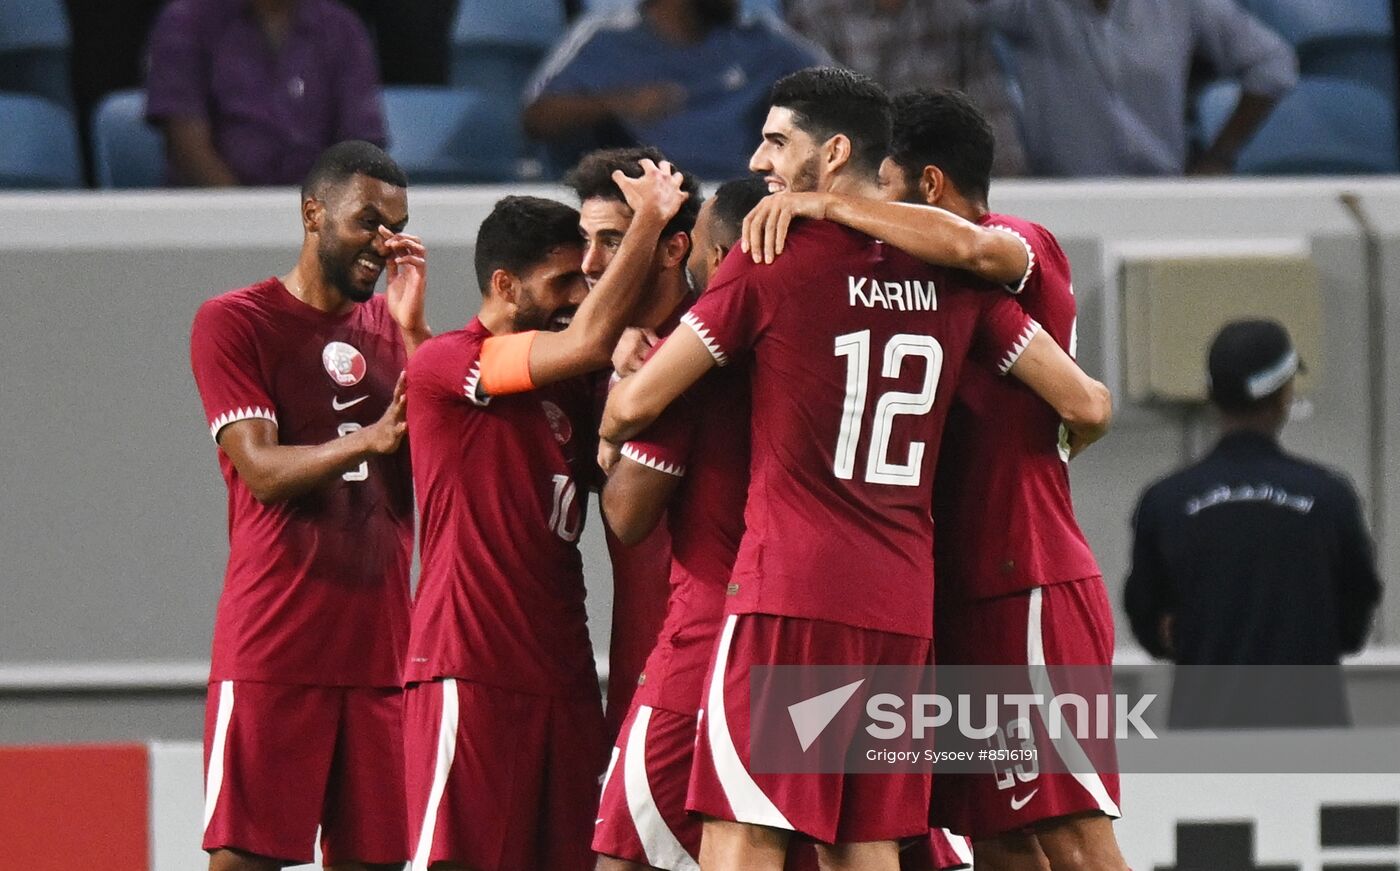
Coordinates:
x,y
344,363
558,422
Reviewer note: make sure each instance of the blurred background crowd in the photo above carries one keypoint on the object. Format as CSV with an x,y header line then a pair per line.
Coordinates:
x,y
145,93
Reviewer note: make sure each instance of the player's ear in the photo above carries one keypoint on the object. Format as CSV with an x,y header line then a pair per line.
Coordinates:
x,y
933,184
675,249
716,257
838,152
503,286
313,212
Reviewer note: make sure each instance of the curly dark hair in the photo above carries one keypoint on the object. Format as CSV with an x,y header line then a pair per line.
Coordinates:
x,y
592,179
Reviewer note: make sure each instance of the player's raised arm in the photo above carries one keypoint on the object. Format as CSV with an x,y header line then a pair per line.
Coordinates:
x,y
588,342
638,400
276,472
406,288
1084,404
931,234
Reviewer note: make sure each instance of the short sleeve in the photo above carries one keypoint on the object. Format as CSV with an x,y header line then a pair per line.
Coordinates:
x,y
177,85
448,367
731,315
1024,236
227,369
360,104
1003,332
1238,44
666,445
568,69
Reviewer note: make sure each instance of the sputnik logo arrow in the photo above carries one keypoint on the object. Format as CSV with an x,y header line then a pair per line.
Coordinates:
x,y
811,717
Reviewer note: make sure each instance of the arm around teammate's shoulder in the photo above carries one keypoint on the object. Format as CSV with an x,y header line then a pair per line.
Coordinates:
x,y
1083,403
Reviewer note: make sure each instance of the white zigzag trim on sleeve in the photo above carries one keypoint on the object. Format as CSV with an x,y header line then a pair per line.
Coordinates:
x,y
690,320
1020,347
471,386
1030,256
238,414
632,453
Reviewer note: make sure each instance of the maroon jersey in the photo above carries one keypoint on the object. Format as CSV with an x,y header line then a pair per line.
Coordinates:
x,y
316,590
857,347
1003,511
703,437
500,595
640,576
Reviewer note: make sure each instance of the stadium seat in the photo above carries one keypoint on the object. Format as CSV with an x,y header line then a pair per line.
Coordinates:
x,y
444,135
40,145
1323,126
773,6
1368,60
126,151
1300,21
34,42
496,46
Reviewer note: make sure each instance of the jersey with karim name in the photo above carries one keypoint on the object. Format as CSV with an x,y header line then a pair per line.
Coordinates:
x,y
316,590
857,348
1003,510
703,438
501,596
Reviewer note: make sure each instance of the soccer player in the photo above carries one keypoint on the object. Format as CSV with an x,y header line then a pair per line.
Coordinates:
x,y
835,562
640,571
690,467
504,724
297,375
1002,446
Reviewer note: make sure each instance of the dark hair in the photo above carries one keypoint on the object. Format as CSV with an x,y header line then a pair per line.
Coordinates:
x,y
592,179
733,201
944,128
343,160
826,101
519,233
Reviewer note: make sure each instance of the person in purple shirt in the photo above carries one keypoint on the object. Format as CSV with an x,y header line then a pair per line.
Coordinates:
x,y
249,92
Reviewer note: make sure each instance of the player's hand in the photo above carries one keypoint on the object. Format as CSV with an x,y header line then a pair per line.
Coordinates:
x,y
406,289
608,455
656,195
387,433
650,102
632,350
766,227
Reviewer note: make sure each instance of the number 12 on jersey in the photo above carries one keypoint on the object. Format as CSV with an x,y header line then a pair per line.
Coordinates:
x,y
879,468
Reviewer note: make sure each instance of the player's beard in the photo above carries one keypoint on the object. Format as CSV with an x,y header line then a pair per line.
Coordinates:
x,y
530,315
336,267
807,176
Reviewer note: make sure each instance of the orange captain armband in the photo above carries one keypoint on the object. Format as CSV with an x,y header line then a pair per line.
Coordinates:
x,y
505,364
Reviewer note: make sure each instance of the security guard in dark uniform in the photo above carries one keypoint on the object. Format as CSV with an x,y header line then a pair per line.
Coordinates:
x,y
1252,557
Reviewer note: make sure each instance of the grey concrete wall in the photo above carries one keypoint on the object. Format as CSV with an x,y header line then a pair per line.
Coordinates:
x,y
111,509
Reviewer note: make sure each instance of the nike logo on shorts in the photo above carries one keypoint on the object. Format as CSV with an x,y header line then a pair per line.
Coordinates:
x,y
339,406
1018,803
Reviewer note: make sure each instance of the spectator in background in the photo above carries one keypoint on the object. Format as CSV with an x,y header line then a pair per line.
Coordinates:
x,y
1252,557
1104,82
690,77
906,45
249,92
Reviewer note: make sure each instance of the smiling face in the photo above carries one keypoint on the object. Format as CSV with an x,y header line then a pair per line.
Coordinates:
x,y
548,293
788,158
348,247
602,223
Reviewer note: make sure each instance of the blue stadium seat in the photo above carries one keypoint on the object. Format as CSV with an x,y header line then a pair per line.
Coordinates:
x,y
1325,126
496,46
1365,59
40,145
1300,21
34,42
773,6
446,135
126,151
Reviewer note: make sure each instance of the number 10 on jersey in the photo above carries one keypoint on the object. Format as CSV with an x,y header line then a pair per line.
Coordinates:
x,y
879,468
